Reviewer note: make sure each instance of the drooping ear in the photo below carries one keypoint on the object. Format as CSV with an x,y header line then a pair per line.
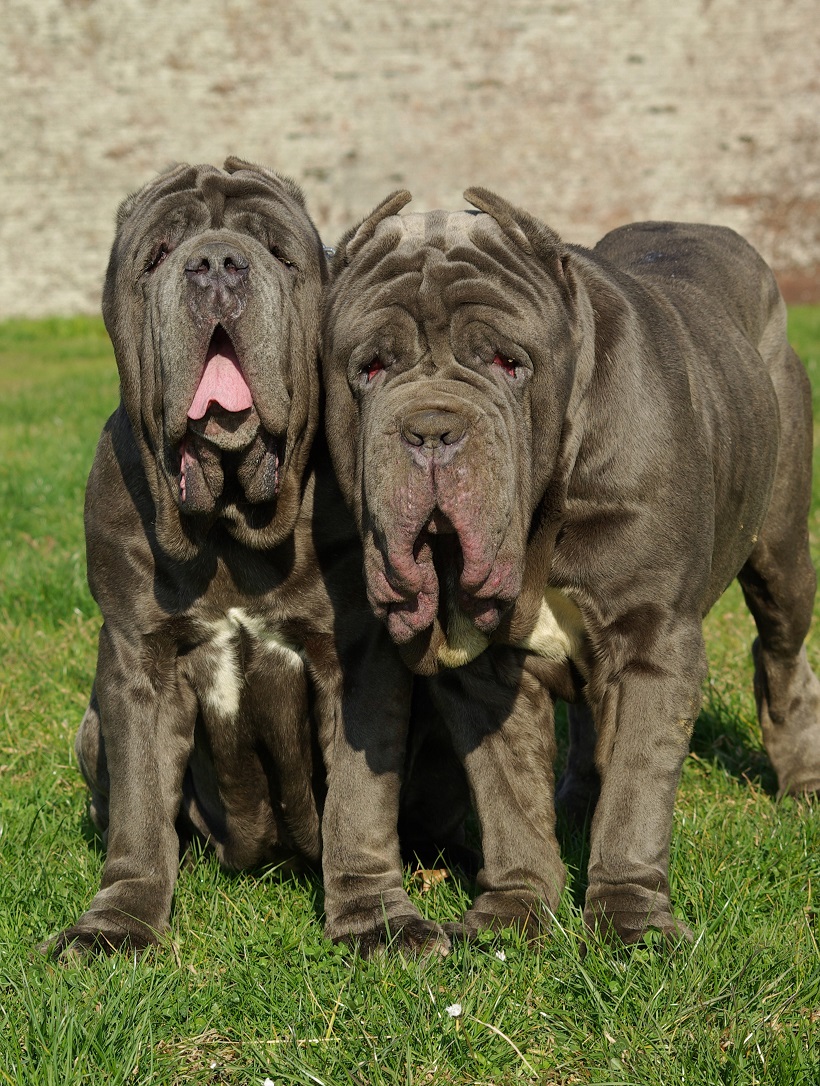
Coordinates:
x,y
359,235
179,175
530,235
233,164
503,212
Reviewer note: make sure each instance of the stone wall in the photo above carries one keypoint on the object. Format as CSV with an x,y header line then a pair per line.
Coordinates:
x,y
589,113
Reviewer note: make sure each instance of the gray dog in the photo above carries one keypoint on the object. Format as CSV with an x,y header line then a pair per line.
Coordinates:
x,y
238,647
558,460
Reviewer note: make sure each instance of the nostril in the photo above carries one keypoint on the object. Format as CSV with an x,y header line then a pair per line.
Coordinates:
x,y
235,263
432,429
216,263
197,266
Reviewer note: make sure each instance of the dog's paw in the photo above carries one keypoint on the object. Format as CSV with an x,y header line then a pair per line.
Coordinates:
x,y
410,934
626,916
386,923
804,786
499,909
99,936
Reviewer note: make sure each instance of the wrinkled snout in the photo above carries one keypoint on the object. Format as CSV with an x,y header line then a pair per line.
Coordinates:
x,y
218,274
224,451
440,484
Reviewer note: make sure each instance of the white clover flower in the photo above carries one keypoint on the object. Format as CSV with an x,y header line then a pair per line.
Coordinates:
x,y
454,1010
502,957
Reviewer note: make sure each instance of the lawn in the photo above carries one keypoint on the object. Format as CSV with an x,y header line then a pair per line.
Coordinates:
x,y
246,989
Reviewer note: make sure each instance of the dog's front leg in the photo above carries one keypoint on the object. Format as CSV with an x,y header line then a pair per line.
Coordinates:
x,y
500,716
363,729
146,716
644,724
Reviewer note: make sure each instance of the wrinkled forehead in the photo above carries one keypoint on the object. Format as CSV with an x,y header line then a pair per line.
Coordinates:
x,y
429,264
215,188
210,190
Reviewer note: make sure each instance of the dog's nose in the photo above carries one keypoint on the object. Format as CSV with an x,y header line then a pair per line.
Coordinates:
x,y
217,264
432,429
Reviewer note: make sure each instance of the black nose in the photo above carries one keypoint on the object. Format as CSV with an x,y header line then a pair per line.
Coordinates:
x,y
432,428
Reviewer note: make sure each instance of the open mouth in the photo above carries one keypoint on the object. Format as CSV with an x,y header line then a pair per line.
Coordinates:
x,y
412,594
222,383
448,562
225,456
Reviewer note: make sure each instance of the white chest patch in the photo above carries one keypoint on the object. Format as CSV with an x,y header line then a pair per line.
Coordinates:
x,y
223,690
558,634
464,642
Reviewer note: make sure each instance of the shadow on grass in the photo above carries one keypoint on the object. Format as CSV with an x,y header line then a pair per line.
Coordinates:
x,y
91,835
726,738
194,851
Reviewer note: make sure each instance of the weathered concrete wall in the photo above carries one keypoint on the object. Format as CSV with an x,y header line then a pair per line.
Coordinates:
x,y
588,112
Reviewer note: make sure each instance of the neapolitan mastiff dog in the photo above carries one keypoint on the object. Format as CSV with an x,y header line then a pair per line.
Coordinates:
x,y
558,460
238,647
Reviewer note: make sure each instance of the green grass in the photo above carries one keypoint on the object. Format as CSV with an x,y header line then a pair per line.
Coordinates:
x,y
247,988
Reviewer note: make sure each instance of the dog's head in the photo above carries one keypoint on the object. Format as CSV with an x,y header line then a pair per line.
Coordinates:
x,y
451,347
212,300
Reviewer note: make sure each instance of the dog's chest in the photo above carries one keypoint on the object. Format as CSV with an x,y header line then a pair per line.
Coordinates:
x,y
236,647
558,634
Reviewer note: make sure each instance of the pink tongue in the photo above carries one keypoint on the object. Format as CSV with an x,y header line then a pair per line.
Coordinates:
x,y
222,382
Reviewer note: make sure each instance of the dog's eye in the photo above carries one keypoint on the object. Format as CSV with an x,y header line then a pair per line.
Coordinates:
x,y
280,256
374,366
508,365
156,258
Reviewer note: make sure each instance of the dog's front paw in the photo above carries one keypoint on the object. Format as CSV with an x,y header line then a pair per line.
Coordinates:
x,y
627,913
499,909
805,785
408,934
100,934
386,922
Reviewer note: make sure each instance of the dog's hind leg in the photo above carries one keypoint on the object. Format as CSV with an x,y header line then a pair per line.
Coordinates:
x,y
779,582
89,749
579,787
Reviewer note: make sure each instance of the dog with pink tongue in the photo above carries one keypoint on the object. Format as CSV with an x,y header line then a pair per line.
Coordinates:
x,y
242,682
